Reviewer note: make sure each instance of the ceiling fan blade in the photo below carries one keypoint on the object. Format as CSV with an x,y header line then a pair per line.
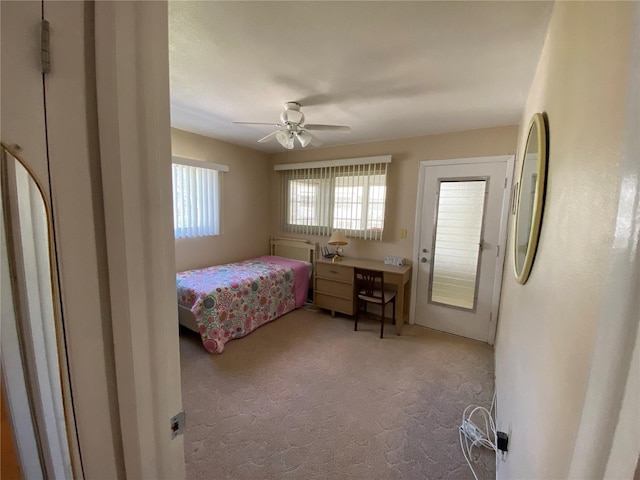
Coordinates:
x,y
271,136
258,123
328,128
315,141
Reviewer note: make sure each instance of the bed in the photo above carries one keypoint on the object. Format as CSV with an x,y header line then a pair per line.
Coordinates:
x,y
225,302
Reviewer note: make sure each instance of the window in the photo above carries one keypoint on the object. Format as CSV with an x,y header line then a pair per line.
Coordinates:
x,y
456,253
196,197
347,195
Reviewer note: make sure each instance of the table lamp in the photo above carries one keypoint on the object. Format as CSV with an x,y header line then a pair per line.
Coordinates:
x,y
338,238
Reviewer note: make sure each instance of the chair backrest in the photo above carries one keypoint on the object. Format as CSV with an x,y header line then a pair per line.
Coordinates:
x,y
369,282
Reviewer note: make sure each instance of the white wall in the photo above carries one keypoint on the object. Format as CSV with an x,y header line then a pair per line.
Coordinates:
x,y
547,327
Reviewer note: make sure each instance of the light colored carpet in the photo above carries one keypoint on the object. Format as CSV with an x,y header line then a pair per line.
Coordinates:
x,y
306,397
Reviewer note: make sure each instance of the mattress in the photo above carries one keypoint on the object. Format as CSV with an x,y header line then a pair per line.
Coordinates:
x,y
229,301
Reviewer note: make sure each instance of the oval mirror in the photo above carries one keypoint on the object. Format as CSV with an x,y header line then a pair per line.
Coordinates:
x,y
530,197
33,351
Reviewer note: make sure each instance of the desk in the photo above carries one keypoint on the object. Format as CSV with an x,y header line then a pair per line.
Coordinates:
x,y
333,286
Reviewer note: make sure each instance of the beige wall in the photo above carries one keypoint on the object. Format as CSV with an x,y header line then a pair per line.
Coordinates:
x,y
546,329
245,209
402,181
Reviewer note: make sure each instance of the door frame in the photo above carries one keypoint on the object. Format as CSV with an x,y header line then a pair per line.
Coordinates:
x,y
132,90
504,220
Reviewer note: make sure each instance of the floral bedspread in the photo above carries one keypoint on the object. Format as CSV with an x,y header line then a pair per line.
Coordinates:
x,y
230,301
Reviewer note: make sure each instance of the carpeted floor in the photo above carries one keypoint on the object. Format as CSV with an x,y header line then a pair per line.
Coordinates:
x,y
306,397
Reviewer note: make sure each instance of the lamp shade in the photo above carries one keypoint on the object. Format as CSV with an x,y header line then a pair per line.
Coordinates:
x,y
285,138
290,143
338,238
304,138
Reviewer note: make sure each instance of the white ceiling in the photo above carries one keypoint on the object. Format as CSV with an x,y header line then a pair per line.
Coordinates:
x,y
388,69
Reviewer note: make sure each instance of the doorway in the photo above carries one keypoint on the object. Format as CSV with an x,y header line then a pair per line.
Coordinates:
x,y
461,220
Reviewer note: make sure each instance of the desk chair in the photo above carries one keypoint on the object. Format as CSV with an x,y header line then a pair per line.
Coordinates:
x,y
370,289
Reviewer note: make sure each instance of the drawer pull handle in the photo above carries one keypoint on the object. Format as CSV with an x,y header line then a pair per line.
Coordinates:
x,y
333,271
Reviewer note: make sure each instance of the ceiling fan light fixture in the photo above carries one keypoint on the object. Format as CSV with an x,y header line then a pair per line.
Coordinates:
x,y
283,138
304,138
293,126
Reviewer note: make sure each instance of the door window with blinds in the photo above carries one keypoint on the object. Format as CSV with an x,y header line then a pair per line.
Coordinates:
x,y
196,197
347,195
457,242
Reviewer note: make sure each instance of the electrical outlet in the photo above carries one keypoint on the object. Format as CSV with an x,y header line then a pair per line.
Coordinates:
x,y
403,233
178,423
502,442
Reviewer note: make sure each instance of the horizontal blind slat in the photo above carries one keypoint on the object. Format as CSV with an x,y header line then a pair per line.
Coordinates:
x,y
350,198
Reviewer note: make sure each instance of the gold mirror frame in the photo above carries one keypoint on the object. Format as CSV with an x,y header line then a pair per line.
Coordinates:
x,y
7,154
532,216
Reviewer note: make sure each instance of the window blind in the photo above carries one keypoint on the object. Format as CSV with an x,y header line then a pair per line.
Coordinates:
x,y
196,201
456,252
318,198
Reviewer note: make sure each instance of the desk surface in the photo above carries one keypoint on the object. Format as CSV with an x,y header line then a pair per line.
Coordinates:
x,y
366,263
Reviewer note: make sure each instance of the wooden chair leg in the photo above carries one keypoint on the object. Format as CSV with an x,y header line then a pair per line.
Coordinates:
x,y
355,328
394,310
382,321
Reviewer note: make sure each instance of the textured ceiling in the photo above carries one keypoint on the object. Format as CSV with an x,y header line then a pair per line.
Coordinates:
x,y
388,69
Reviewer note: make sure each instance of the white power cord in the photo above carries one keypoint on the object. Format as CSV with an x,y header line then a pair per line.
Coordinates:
x,y
473,435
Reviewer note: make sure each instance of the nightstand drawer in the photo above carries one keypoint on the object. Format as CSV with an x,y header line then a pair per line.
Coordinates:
x,y
334,272
334,303
342,290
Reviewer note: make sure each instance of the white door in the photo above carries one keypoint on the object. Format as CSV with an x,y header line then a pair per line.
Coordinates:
x,y
32,368
461,223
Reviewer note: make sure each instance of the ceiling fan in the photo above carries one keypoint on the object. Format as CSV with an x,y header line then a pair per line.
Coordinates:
x,y
292,127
